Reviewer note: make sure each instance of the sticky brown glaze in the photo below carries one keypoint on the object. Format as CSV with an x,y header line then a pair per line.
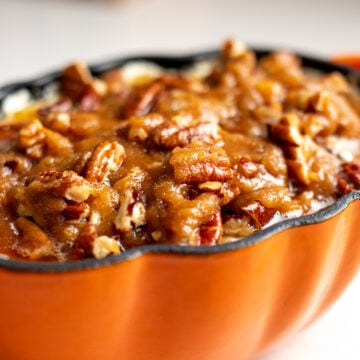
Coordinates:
x,y
174,158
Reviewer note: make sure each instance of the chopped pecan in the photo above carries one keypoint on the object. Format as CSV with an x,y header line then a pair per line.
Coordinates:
x,y
232,49
59,121
108,156
84,124
76,211
180,82
60,106
287,130
225,191
132,213
247,168
200,164
259,214
271,91
344,186
10,131
89,101
14,163
211,232
90,244
141,127
284,67
57,115
67,184
181,130
143,101
82,247
38,141
114,81
298,149
338,109
298,159
33,243
352,170
77,81
104,246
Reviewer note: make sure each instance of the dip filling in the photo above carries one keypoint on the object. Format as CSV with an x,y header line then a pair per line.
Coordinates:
x,y
203,156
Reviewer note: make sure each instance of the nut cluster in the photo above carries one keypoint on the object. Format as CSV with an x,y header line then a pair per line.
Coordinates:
x,y
183,157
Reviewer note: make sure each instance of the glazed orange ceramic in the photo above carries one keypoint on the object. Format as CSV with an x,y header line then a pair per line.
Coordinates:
x,y
351,60
166,302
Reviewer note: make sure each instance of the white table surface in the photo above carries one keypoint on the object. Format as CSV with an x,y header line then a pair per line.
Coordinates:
x,y
40,35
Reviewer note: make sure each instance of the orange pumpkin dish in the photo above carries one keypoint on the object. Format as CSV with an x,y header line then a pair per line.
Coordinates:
x,y
200,156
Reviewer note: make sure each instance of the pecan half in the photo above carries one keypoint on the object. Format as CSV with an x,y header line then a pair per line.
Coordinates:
x,y
132,212
76,211
60,106
143,101
38,141
89,244
140,127
95,167
284,67
77,81
344,186
67,184
349,179
104,246
182,130
352,170
259,214
200,164
247,168
56,116
211,232
298,148
11,163
10,131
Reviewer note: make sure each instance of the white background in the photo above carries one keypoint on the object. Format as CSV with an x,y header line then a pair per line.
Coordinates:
x,y
39,35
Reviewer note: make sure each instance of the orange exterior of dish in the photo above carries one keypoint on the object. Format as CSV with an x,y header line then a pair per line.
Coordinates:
x,y
228,305
351,60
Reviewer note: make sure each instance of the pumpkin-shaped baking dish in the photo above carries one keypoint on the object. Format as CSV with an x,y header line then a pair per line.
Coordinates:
x,y
231,301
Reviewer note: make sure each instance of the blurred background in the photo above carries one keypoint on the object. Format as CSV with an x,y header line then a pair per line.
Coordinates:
x,y
41,35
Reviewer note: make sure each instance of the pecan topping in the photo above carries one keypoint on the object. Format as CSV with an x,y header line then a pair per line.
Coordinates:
x,y
344,186
211,232
132,213
33,242
76,211
349,180
108,156
182,130
104,246
67,184
200,164
352,170
247,168
76,82
141,127
60,106
37,141
57,115
10,131
143,101
298,149
258,213
11,163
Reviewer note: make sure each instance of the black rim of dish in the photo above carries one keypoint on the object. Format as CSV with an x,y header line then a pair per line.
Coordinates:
x,y
36,88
